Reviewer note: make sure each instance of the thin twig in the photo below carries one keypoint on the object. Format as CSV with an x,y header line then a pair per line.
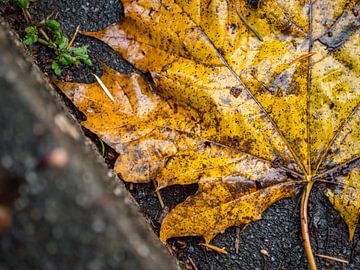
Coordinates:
x,y
305,225
52,14
107,92
237,240
73,37
27,15
168,247
43,33
193,265
215,248
333,258
158,194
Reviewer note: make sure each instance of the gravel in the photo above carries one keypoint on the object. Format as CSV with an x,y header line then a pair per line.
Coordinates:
x,y
278,232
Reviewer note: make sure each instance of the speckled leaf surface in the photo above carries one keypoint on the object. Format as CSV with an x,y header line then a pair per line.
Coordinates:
x,y
163,140
251,100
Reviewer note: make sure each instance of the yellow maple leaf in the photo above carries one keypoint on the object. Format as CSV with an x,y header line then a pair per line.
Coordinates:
x,y
250,102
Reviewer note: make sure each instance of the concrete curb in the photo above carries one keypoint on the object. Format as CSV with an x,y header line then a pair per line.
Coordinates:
x,y
71,212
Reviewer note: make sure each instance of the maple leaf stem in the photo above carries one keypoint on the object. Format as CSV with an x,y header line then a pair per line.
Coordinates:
x,y
305,226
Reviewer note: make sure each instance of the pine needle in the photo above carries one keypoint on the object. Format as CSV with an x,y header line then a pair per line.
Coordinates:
x,y
332,258
107,92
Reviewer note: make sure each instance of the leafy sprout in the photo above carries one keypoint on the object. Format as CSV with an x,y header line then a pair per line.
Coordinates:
x,y
52,37
32,35
48,33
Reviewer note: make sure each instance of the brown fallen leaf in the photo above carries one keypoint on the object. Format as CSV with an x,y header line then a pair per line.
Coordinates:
x,y
250,119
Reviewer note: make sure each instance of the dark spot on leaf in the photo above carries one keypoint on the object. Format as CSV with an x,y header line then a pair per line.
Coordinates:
x,y
236,140
207,144
235,91
340,31
253,3
151,12
258,184
175,109
184,47
221,51
355,12
167,162
291,176
233,28
276,163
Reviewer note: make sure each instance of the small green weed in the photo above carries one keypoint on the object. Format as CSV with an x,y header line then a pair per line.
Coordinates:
x,y
48,33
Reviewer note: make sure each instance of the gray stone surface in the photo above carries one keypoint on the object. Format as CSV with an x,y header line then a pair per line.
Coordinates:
x,y
71,212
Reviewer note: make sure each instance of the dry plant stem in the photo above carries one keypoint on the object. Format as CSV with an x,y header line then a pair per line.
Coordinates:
x,y
158,194
74,37
27,15
171,251
193,265
305,225
214,248
43,33
237,240
332,258
52,14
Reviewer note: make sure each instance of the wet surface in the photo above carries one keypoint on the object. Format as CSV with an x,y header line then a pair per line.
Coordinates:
x,y
340,32
278,232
